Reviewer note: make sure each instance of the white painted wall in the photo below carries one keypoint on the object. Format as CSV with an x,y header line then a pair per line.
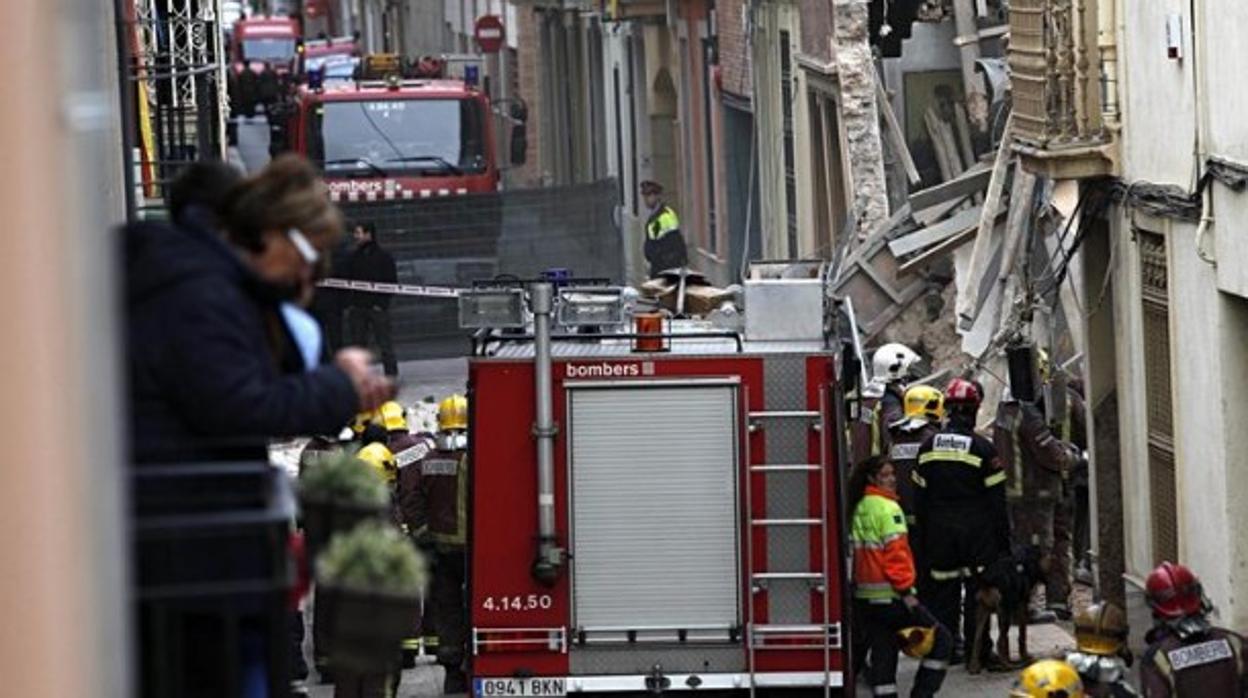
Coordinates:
x,y
1170,110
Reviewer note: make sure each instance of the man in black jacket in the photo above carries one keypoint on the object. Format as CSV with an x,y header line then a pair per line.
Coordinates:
x,y
368,317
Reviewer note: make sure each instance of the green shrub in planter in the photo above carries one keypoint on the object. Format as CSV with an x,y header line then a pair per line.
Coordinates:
x,y
371,581
336,493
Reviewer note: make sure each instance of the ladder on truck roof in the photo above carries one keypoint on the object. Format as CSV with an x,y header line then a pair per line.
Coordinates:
x,y
784,636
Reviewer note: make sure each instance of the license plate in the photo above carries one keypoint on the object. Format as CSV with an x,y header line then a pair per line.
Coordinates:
x,y
539,687
1196,655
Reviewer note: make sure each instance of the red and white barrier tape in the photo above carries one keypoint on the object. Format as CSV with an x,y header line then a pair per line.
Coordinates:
x,y
391,289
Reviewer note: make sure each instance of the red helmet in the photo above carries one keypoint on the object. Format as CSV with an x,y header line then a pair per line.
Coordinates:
x,y
962,392
1174,592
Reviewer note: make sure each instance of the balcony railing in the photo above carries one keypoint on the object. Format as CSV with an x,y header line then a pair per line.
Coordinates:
x,y
1059,124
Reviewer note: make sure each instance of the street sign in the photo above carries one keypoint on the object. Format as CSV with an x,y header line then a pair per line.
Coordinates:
x,y
489,33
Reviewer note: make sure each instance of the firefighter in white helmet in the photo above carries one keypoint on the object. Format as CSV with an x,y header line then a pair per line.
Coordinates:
x,y
882,400
436,511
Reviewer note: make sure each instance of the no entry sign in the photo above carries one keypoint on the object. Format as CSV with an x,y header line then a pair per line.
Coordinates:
x,y
489,33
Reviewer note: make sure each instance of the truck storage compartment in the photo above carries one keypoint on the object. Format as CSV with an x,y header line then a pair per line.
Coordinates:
x,y
653,472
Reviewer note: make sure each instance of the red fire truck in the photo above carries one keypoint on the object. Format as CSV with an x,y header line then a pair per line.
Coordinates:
x,y
259,42
390,137
654,510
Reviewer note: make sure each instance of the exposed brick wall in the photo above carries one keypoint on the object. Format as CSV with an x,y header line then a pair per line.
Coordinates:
x,y
528,55
733,48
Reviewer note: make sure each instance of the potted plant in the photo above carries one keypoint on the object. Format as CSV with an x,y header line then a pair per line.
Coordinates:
x,y
370,581
336,492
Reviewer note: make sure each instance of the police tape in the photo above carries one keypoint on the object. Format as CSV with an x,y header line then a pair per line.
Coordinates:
x,y
391,289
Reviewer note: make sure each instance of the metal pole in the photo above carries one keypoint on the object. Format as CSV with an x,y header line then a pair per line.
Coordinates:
x,y
549,556
127,91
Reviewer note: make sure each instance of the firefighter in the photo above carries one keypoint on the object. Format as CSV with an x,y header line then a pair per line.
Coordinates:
x,y
436,511
925,411
1048,678
1101,656
1187,655
962,521
881,405
665,245
885,600
1038,465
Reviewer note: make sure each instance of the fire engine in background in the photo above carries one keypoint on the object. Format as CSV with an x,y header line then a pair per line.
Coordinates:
x,y
335,58
661,509
399,132
258,42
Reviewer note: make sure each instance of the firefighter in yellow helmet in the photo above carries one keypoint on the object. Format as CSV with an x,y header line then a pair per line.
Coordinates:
x,y
436,511
1101,656
382,460
1048,678
924,408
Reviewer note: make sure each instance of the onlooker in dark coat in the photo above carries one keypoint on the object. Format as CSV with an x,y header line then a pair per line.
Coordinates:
x,y
213,371
368,317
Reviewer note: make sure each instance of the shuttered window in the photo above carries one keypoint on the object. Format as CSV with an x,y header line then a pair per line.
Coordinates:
x,y
1161,469
653,474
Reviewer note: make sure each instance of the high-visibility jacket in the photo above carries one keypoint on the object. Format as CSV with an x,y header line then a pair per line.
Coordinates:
x,y
883,563
665,245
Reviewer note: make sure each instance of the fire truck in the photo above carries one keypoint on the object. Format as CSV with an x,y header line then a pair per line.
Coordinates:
x,y
259,42
656,505
398,132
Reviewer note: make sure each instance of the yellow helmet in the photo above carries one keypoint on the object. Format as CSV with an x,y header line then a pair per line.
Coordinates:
x,y
393,416
916,641
924,401
1048,678
1043,366
361,421
381,459
1101,629
453,413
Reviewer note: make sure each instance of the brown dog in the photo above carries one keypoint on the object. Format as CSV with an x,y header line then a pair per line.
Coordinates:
x,y
1005,588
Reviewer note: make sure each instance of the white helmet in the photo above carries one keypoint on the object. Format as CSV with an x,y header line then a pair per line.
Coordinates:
x,y
892,362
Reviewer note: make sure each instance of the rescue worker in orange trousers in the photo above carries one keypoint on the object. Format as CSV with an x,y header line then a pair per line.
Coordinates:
x,y
924,414
436,513
665,245
885,602
1187,657
881,404
963,524
1101,656
1038,466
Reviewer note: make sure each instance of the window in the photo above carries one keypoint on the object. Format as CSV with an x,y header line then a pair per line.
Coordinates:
x,y
269,50
423,136
790,159
1163,499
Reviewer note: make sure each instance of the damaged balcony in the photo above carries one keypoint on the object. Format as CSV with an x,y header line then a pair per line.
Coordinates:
x,y
1063,128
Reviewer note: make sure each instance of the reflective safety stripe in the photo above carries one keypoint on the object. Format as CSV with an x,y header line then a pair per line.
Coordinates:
x,y
662,224
993,480
946,575
934,664
917,478
957,456
888,689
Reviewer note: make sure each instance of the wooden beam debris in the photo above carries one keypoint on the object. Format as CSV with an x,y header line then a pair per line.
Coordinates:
x,y
968,296
896,135
972,181
959,223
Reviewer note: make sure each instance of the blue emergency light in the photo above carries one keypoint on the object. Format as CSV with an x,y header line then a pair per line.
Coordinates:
x,y
471,75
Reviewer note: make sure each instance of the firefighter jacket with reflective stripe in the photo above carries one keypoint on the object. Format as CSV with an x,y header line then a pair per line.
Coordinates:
x,y
436,507
1206,665
883,563
959,474
665,245
881,408
906,438
1036,461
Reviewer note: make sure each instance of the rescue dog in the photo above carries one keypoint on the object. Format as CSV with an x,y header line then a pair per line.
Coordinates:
x,y
1005,588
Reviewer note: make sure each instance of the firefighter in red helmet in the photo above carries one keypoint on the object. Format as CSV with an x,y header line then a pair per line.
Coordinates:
x,y
1187,655
960,505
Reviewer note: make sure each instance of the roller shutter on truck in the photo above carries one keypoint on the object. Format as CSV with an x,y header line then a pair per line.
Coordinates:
x,y
653,472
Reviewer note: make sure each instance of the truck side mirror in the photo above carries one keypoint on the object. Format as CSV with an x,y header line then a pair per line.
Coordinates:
x,y
519,144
